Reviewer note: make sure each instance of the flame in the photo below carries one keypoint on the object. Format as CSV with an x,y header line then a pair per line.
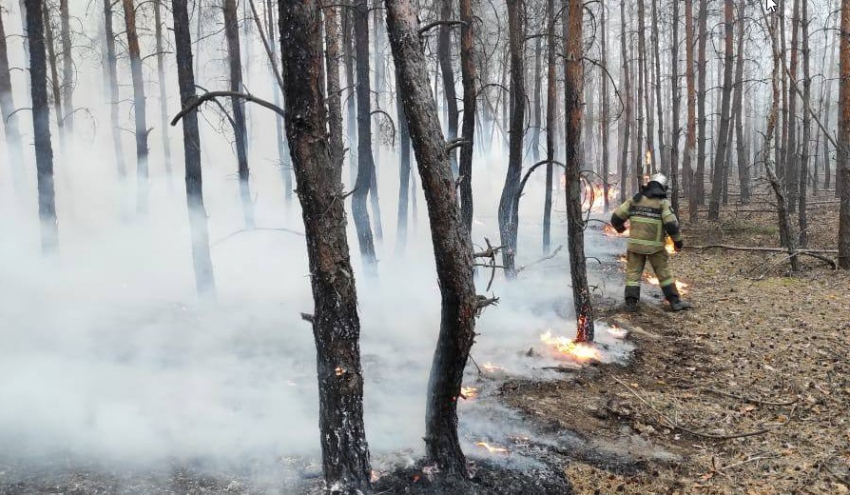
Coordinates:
x,y
610,231
339,371
490,367
468,393
594,197
617,332
648,157
652,280
579,351
680,286
669,246
493,449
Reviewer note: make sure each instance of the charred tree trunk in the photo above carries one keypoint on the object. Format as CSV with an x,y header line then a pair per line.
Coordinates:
x,y
674,117
365,160
10,120
351,106
699,176
114,97
469,78
842,172
451,239
737,107
138,106
603,120
201,260
627,113
163,94
55,85
720,162
537,109
41,126
508,216
691,136
404,185
659,107
336,324
334,90
444,54
67,65
240,132
551,116
573,81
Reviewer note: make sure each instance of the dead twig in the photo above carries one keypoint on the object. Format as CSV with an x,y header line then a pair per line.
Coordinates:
x,y
749,399
541,260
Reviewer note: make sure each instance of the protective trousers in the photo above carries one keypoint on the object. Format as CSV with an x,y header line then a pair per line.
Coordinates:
x,y
635,264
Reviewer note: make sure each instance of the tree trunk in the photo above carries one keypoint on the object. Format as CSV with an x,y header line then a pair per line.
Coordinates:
x,y
351,107
573,80
641,148
451,239
737,106
67,65
55,85
720,162
365,163
240,132
201,260
674,117
444,55
627,113
138,107
551,116
114,97
336,324
508,216
41,126
807,129
828,108
283,156
10,120
842,172
404,184
691,138
374,201
163,94
603,120
699,177
334,90
792,161
469,78
659,107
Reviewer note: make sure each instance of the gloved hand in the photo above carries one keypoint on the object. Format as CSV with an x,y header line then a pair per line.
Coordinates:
x,y
678,245
620,228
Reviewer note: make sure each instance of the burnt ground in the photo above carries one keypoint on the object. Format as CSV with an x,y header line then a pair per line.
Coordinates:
x,y
750,388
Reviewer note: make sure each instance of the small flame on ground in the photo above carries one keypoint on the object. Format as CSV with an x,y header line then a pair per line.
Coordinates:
x,y
490,367
493,449
468,393
579,351
375,476
648,157
617,332
339,371
682,287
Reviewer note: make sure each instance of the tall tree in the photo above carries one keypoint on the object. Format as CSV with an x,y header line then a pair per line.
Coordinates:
x,y
334,89
444,55
7,111
573,81
674,116
469,78
41,126
691,138
138,106
336,324
843,163
702,66
508,216
163,94
659,107
67,65
792,160
551,116
803,177
284,162
450,237
365,159
114,97
642,98
404,183
240,131
720,163
603,120
55,83
627,113
738,108
201,259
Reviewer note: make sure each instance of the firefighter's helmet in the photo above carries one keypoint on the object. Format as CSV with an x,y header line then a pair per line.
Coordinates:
x,y
660,179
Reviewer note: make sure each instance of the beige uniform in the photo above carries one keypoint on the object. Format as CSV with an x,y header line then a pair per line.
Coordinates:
x,y
647,218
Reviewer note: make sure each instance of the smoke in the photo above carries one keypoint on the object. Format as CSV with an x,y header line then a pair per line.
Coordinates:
x,y
107,354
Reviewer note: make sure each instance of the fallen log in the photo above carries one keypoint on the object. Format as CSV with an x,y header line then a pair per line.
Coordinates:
x,y
764,249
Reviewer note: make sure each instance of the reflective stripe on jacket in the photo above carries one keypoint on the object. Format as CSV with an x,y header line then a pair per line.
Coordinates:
x,y
647,218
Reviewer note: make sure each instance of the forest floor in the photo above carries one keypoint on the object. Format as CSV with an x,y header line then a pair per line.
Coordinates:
x,y
749,389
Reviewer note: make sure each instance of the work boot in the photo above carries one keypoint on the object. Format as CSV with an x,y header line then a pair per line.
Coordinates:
x,y
672,295
632,298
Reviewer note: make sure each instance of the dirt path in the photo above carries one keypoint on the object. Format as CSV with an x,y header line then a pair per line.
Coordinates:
x,y
763,356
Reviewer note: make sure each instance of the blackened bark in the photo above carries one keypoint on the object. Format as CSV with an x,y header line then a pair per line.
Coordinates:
x,y
55,84
163,94
138,106
201,260
702,66
240,132
283,157
334,90
508,217
551,116
627,113
451,239
336,324
674,117
573,80
737,106
10,120
365,160
351,108
41,126
444,54
404,185
469,78
537,108
112,73
720,162
67,65
842,171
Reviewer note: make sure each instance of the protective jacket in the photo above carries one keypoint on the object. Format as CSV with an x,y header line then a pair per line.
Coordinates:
x,y
650,218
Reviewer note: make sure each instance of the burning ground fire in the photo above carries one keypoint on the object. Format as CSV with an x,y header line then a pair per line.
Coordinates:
x,y
680,286
493,449
578,351
468,393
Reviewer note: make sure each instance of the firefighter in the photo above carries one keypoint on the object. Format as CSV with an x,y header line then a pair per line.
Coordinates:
x,y
650,220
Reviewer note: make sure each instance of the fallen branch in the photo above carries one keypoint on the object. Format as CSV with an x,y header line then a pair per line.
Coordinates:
x,y
764,249
711,436
541,260
427,27
750,400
